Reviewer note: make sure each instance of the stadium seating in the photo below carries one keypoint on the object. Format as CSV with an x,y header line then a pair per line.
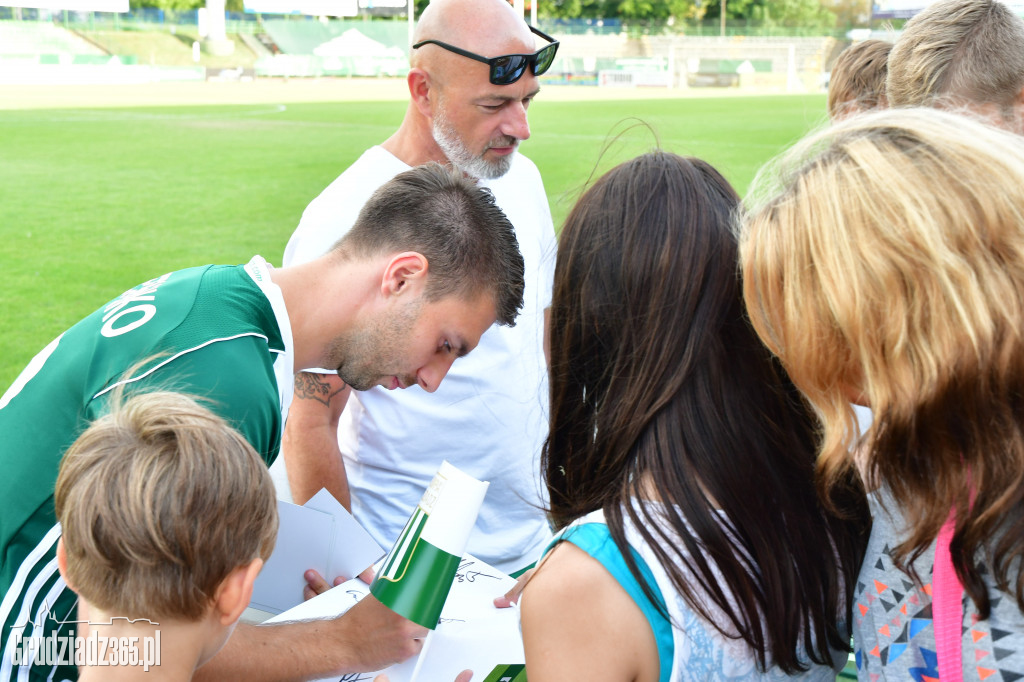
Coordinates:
x,y
32,38
337,48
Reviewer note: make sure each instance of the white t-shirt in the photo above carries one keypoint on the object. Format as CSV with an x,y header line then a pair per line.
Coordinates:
x,y
488,418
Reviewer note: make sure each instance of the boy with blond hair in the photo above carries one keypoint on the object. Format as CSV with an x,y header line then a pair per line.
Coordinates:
x,y
167,515
858,79
962,54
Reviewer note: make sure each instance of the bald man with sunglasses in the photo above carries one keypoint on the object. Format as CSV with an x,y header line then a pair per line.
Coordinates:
x,y
473,76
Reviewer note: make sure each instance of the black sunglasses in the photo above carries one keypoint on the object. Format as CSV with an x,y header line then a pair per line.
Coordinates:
x,y
508,68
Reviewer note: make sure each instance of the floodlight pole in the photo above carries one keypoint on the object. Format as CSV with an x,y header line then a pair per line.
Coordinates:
x,y
723,18
412,20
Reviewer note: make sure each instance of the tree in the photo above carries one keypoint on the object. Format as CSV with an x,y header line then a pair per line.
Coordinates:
x,y
809,14
651,10
169,5
851,13
578,9
734,9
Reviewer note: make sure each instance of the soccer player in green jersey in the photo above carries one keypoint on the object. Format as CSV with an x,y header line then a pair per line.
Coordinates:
x,y
431,264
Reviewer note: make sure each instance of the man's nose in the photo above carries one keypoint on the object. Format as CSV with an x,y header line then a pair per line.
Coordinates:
x,y
430,375
516,123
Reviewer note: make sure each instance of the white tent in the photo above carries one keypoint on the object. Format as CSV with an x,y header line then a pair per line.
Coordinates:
x,y
352,43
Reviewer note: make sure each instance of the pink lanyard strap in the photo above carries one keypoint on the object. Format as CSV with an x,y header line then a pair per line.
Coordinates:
x,y
947,607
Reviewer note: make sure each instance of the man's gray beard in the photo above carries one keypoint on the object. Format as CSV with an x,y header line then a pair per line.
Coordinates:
x,y
462,158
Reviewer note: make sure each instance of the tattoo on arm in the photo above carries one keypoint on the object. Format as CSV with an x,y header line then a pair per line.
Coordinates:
x,y
310,386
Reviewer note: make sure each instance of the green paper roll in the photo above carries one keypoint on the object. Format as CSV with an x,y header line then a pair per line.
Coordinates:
x,y
417,574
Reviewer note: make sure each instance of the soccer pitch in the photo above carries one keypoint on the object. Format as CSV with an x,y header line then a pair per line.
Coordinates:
x,y
96,200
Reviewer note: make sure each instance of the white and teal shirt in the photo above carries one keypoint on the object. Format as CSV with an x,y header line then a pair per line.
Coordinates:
x,y
689,647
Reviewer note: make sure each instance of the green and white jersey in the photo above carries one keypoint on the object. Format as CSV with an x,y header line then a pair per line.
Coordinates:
x,y
219,333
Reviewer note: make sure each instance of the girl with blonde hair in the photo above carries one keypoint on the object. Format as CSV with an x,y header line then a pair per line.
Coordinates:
x,y
883,263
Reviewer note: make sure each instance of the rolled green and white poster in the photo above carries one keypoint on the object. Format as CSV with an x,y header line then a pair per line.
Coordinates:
x,y
418,572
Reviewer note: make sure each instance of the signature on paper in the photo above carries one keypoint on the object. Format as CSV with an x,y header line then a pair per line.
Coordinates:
x,y
466,575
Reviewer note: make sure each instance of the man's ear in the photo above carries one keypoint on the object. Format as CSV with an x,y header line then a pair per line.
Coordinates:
x,y
62,563
406,271
235,591
420,91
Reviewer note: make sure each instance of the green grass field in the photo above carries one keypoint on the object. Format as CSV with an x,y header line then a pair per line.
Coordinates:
x,y
94,201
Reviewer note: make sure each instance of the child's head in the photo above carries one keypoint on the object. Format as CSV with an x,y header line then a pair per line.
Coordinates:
x,y
884,260
858,78
884,257
645,293
661,390
958,53
160,501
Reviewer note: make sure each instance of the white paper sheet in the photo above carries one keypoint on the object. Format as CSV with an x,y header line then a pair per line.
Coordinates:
x,y
320,535
472,633
353,550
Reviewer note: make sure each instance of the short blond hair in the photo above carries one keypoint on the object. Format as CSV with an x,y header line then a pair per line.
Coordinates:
x,y
857,82
959,52
158,502
885,256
